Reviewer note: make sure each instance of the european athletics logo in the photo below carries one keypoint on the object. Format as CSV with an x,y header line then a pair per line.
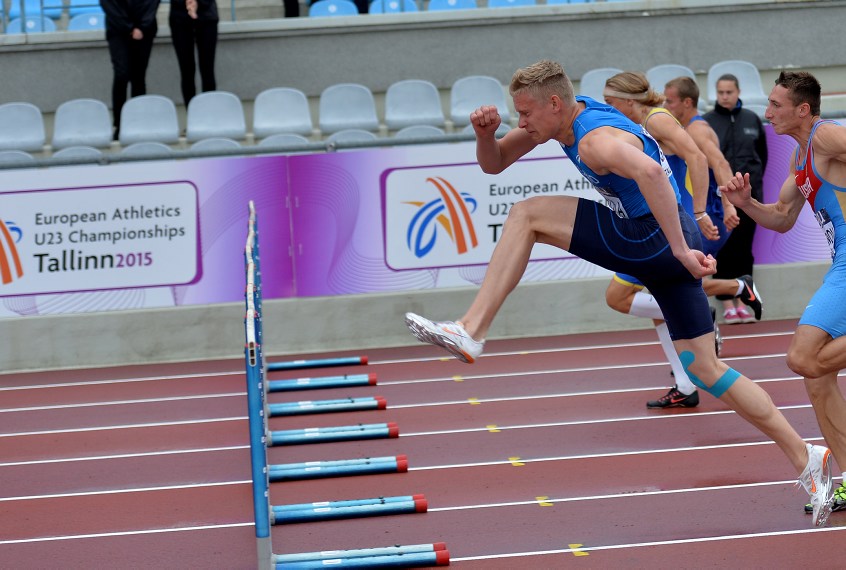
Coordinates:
x,y
451,211
9,252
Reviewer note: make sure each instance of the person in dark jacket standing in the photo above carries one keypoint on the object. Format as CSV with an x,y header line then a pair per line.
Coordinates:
x,y
194,22
744,144
130,29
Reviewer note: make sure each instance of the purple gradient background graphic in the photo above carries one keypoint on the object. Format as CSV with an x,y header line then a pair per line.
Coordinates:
x,y
805,241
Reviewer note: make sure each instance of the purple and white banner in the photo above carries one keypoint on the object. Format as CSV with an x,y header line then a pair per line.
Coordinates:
x,y
168,233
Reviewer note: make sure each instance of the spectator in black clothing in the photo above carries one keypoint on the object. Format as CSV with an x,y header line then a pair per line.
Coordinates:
x,y
292,8
130,29
194,23
744,144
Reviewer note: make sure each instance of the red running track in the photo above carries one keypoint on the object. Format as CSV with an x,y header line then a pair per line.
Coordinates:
x,y
541,455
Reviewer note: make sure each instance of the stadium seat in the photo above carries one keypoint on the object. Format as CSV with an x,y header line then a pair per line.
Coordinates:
x,y
592,83
78,7
281,110
148,118
147,149
419,131
214,144
392,6
436,5
21,127
510,3
33,9
748,76
329,8
413,102
32,25
351,135
84,122
215,114
347,106
87,21
283,139
659,75
470,92
16,157
80,152
757,109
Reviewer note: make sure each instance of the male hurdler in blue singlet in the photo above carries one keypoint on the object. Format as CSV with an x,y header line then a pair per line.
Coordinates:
x,y
643,232
818,176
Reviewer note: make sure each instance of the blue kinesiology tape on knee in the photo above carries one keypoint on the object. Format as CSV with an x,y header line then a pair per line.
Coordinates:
x,y
720,386
687,358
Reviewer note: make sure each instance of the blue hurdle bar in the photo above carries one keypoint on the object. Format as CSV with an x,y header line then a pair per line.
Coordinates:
x,y
390,557
347,503
324,382
326,406
343,467
349,509
319,363
329,434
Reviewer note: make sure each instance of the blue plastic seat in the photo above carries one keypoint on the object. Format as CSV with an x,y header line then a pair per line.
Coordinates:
x,y
510,3
329,8
392,6
78,7
33,8
436,5
32,25
87,21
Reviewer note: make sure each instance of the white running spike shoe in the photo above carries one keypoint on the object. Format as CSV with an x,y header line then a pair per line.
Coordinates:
x,y
816,479
446,334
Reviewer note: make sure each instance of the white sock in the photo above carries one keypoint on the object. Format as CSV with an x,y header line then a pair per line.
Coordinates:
x,y
740,286
644,305
683,383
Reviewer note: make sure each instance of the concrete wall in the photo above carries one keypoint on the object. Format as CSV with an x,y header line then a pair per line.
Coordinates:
x,y
376,50
297,326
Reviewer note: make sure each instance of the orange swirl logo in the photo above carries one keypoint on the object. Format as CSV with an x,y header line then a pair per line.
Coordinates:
x,y
10,261
451,212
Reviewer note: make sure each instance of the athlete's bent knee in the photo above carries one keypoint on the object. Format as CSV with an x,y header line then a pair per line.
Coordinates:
x,y
719,387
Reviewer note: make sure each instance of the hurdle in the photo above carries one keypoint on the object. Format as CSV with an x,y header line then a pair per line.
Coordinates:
x,y
317,363
321,382
259,410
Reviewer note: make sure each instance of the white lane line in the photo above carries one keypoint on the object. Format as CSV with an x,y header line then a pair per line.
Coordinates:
x,y
124,455
126,491
127,533
123,380
648,544
124,402
126,426
567,349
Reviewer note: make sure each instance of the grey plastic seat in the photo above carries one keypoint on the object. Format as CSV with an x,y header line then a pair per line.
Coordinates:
x,y
215,114
757,109
213,144
281,110
347,106
21,127
16,157
283,139
419,131
82,122
147,149
592,83
149,118
472,91
659,75
351,135
80,152
748,76
413,102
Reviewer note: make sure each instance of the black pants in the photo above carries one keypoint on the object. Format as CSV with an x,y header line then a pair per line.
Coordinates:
x,y
129,62
185,35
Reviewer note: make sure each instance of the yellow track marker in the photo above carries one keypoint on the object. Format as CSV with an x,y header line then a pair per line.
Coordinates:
x,y
542,501
515,461
492,428
474,401
458,378
576,551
